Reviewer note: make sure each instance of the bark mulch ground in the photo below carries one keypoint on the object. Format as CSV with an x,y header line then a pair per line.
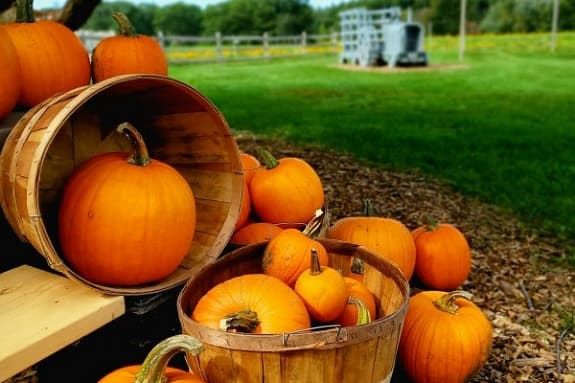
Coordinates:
x,y
517,276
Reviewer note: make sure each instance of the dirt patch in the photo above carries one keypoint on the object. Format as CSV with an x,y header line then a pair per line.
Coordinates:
x,y
529,302
395,70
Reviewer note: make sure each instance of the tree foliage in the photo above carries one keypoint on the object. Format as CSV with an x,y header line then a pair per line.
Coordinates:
x,y
289,17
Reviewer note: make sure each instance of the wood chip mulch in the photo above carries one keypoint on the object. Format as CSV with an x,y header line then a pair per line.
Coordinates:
x,y
516,278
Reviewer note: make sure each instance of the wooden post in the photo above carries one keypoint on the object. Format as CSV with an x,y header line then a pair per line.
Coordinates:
x,y
303,41
161,39
554,25
429,36
462,30
266,43
219,54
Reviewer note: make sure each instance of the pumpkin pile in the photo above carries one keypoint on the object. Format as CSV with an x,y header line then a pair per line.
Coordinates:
x,y
43,58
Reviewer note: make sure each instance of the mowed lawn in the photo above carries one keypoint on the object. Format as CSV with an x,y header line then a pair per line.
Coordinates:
x,y
502,130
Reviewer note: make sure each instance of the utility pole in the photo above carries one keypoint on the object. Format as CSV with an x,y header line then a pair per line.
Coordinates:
x,y
463,7
554,25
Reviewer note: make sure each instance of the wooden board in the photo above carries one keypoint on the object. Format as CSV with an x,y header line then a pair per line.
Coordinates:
x,y
42,312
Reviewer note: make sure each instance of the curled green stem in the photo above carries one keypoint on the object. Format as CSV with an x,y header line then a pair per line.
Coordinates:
x,y
154,366
447,302
266,158
363,315
124,24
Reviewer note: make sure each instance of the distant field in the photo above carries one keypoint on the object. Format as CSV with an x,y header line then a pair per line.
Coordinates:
x,y
502,130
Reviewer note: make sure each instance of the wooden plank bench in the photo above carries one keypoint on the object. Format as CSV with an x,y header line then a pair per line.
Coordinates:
x,y
42,312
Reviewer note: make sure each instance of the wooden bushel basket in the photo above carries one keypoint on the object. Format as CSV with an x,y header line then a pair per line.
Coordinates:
x,y
357,354
181,127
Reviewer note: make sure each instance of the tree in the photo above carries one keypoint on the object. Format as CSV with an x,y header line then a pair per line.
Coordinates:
x,y
179,19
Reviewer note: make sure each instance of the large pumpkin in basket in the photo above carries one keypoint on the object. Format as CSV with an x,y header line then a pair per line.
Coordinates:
x,y
126,220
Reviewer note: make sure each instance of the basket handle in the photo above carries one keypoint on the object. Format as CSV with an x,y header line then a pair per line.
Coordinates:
x,y
340,336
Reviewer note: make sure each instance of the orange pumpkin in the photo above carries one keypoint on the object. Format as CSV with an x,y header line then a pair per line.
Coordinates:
x,y
387,237
255,232
443,260
9,75
52,58
126,220
287,255
250,165
154,368
129,52
445,338
323,290
285,191
357,290
252,303
245,208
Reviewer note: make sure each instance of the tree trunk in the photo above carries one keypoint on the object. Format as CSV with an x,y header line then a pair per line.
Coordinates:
x,y
76,12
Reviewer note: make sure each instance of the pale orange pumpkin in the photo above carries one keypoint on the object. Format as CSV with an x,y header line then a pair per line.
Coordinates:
x,y
154,368
443,260
357,290
52,58
255,232
250,165
252,303
126,220
287,255
387,237
446,338
323,290
245,208
127,53
285,191
9,74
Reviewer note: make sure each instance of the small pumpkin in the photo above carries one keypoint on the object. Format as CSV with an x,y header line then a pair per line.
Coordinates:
x,y
387,237
446,338
286,190
245,208
52,58
9,75
287,255
127,53
154,368
252,303
255,232
250,165
443,260
140,210
351,313
323,290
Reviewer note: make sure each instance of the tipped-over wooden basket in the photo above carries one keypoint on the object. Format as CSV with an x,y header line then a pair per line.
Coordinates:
x,y
354,354
181,127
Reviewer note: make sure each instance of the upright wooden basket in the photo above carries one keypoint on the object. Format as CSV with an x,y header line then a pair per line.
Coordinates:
x,y
354,354
181,127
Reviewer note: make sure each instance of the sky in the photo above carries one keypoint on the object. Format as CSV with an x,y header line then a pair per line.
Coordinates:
x,y
40,4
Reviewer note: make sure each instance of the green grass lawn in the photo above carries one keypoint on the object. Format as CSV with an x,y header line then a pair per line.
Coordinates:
x,y
502,130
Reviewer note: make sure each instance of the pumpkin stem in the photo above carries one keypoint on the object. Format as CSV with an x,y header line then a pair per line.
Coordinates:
x,y
447,302
315,267
244,321
126,27
430,222
24,11
153,367
140,154
363,315
266,158
316,223
357,266
368,209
